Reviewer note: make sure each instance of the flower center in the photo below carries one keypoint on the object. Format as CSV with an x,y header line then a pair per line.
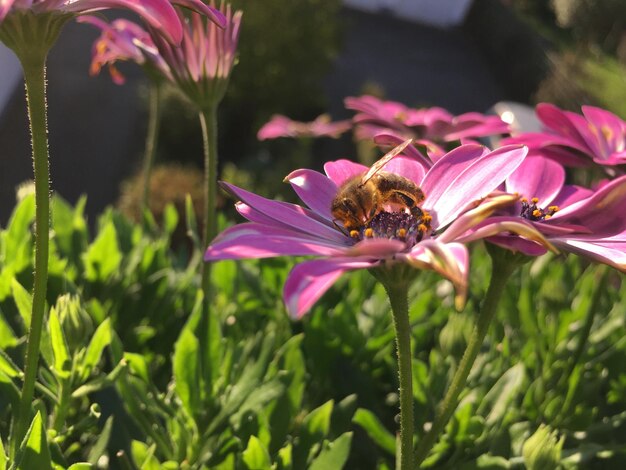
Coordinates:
x,y
402,226
532,212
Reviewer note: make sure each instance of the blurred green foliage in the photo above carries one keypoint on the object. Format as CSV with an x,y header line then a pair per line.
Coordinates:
x,y
131,377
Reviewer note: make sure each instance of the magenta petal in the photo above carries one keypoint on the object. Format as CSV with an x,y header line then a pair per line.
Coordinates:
x,y
316,190
5,6
464,175
557,121
308,281
571,194
603,212
517,244
407,167
537,177
251,240
290,215
157,13
342,170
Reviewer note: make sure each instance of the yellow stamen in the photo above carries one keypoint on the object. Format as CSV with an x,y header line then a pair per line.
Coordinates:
x,y
536,213
524,199
422,228
547,216
369,233
535,200
354,233
553,208
401,233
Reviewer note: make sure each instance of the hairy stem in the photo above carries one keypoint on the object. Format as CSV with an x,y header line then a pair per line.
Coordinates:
x,y
501,272
34,76
208,121
398,297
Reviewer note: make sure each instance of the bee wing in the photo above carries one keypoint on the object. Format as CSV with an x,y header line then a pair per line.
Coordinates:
x,y
376,167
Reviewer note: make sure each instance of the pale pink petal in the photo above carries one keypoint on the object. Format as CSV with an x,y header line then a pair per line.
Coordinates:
x,y
308,281
612,253
376,248
210,12
464,175
316,190
518,244
537,177
391,140
342,170
252,240
450,260
5,6
407,167
571,194
157,13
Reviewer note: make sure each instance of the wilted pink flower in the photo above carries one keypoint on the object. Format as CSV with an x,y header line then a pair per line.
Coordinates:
x,y
573,139
453,188
375,116
159,14
282,126
572,218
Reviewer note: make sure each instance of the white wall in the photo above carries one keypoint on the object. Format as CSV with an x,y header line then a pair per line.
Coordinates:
x,y
10,75
440,13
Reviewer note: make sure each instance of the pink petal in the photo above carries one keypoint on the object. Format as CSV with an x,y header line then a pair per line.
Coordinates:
x,y
466,174
5,6
308,281
377,248
537,177
571,194
517,244
316,190
393,140
251,240
612,253
407,167
558,121
290,215
342,170
210,12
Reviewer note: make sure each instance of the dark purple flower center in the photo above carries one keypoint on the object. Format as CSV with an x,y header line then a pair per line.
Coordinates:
x,y
532,212
396,226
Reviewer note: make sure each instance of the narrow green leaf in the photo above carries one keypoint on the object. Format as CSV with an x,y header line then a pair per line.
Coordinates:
x,y
170,219
23,301
375,430
502,393
186,373
285,458
143,456
3,457
317,422
100,447
334,455
62,362
8,366
80,466
34,452
256,456
7,336
100,340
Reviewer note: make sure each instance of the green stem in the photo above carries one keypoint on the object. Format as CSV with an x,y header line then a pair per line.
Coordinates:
x,y
34,76
208,121
398,297
154,121
501,272
63,406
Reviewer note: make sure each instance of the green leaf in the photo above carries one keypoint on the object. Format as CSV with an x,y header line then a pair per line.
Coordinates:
x,y
100,340
143,456
504,391
375,430
23,301
7,336
317,422
3,457
256,456
34,453
170,219
285,457
334,455
100,447
62,362
103,256
186,373
7,365
80,466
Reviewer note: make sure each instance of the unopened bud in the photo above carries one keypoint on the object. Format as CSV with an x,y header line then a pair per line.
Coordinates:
x,y
75,321
542,450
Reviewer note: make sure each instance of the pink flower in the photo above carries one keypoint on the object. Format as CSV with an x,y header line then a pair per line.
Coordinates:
x,y
282,126
157,13
572,218
453,188
375,116
123,40
573,139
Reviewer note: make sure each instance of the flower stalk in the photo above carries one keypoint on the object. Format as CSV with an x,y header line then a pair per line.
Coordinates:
x,y
208,121
154,121
33,64
503,266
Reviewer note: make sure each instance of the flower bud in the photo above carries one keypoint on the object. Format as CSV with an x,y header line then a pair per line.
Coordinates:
x,y
455,334
76,323
542,450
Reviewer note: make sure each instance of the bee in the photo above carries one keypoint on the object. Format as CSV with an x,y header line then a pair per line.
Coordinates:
x,y
362,197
